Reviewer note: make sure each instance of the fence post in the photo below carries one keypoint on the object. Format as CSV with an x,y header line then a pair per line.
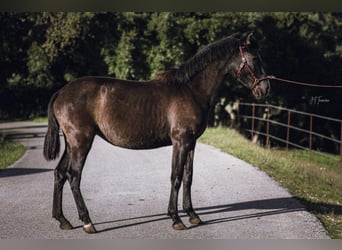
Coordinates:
x,y
268,127
310,134
288,129
341,141
253,115
310,137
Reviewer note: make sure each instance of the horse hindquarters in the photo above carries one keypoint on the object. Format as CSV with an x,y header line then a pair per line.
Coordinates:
x,y
79,133
70,168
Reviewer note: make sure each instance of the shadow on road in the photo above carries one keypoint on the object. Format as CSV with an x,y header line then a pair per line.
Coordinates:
x,y
19,130
274,207
29,135
8,172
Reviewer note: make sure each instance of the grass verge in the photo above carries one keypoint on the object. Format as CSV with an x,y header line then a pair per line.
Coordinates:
x,y
315,179
40,119
10,151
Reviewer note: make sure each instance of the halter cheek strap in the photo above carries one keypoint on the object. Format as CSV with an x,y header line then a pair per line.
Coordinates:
x,y
244,64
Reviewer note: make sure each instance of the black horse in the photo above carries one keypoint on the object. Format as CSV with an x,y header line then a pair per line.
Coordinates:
x,y
171,109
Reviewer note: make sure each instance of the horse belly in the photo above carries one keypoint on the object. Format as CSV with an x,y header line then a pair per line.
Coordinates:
x,y
143,140
132,134
132,118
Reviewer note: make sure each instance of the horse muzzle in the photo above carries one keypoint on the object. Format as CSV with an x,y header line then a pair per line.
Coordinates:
x,y
261,87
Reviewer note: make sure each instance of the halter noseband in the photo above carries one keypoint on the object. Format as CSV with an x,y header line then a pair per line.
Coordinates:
x,y
244,64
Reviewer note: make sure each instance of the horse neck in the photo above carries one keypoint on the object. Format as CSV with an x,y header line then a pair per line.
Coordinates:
x,y
206,84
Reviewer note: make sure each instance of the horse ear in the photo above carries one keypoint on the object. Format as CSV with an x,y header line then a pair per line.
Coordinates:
x,y
247,38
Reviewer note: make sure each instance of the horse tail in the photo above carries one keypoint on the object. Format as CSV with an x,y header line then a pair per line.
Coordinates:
x,y
52,143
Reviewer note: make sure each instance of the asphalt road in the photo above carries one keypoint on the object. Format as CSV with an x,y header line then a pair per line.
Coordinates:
x,y
127,193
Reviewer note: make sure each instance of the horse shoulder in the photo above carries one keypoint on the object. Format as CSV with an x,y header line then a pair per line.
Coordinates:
x,y
186,117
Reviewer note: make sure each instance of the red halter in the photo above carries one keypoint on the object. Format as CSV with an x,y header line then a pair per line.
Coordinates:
x,y
244,64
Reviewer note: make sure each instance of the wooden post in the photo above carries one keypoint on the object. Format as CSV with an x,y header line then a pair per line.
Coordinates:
x,y
310,137
310,134
268,127
288,130
253,115
341,141
238,116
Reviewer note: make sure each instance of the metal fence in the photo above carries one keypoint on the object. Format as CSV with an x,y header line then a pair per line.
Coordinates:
x,y
288,126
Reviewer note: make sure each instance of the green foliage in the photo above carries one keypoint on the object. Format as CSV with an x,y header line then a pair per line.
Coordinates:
x,y
125,56
64,31
124,59
38,67
169,46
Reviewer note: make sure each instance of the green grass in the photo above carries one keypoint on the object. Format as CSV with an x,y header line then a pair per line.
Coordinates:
x,y
314,178
10,151
40,119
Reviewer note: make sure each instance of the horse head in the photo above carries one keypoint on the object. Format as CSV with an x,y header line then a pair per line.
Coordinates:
x,y
246,66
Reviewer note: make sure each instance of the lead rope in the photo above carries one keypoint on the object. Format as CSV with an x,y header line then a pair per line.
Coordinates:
x,y
302,83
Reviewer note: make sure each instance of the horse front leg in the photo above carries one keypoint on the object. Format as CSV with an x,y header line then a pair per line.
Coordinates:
x,y
179,156
187,182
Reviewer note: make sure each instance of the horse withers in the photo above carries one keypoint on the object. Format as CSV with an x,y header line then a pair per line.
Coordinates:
x,y
176,102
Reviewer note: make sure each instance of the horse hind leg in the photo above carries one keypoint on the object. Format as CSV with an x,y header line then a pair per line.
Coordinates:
x,y
59,181
78,157
75,181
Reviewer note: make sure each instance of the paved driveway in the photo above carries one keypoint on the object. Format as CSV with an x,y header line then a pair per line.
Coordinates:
x,y
127,195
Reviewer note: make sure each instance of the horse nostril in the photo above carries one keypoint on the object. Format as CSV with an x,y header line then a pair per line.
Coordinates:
x,y
266,87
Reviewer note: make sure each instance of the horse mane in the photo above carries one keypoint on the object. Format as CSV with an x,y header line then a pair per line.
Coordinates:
x,y
198,62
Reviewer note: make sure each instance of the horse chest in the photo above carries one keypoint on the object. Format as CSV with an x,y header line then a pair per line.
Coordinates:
x,y
187,123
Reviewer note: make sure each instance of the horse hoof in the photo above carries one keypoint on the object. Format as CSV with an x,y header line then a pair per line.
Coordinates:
x,y
89,229
178,226
195,221
66,226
